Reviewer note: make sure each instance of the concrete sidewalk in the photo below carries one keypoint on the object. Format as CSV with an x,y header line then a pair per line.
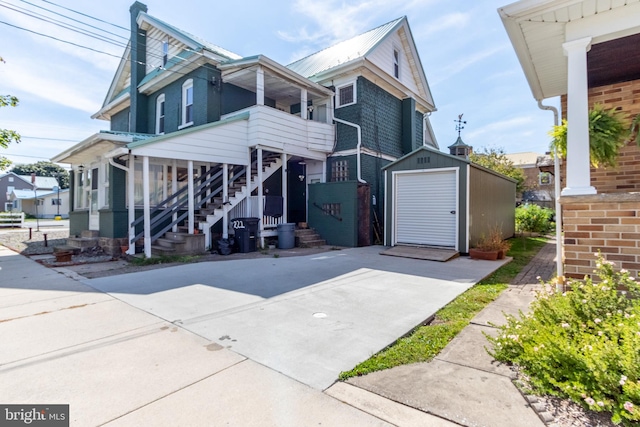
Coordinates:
x,y
463,385
64,342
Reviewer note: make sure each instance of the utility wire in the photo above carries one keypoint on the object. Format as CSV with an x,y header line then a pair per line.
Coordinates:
x,y
84,14
66,26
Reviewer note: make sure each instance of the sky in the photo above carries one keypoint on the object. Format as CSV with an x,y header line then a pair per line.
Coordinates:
x,y
466,54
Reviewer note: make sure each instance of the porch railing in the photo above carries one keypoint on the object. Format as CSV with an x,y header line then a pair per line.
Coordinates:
x,y
249,208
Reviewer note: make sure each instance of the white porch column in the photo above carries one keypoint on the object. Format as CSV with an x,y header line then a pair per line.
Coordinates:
x,y
247,174
147,206
260,86
578,158
303,104
174,190
131,195
285,195
165,182
260,192
192,204
225,199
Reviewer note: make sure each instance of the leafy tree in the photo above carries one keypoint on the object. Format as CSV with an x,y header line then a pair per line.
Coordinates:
x,y
6,135
44,168
608,132
496,160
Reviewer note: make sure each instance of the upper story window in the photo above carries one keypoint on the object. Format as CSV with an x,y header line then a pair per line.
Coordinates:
x,y
396,63
187,103
544,178
160,114
10,179
346,95
165,52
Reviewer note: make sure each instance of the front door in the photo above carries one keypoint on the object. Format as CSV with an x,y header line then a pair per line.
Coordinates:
x,y
94,215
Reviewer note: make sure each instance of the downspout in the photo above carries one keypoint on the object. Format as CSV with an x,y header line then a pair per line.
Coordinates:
x,y
131,209
559,240
357,146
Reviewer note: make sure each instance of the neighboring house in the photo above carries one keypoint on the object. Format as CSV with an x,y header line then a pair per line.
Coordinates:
x,y
45,203
587,52
539,178
200,135
17,195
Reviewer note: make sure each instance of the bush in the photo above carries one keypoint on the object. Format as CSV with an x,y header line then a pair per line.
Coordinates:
x,y
533,218
582,344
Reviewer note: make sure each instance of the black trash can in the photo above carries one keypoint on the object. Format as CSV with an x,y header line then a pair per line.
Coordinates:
x,y
246,231
286,235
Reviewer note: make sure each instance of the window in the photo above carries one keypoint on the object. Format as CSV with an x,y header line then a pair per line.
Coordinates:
x,y
333,209
339,171
544,178
346,95
160,114
56,202
165,52
10,179
10,189
187,103
82,196
396,63
8,206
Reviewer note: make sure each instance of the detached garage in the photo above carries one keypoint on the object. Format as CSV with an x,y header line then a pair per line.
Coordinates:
x,y
439,200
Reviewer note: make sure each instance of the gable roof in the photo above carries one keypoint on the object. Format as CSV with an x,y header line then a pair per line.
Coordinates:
x,y
331,61
345,51
42,182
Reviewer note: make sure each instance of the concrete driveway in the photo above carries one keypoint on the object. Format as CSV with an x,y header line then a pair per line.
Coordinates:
x,y
308,317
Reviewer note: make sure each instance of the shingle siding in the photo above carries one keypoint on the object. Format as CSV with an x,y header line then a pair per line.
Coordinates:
x,y
120,121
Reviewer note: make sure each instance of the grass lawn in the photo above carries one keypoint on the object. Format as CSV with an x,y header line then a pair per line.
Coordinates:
x,y
425,342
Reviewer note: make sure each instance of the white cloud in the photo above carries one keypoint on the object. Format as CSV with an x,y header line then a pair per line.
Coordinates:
x,y
500,127
456,20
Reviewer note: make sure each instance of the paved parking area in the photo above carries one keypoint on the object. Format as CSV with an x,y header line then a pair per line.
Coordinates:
x,y
308,317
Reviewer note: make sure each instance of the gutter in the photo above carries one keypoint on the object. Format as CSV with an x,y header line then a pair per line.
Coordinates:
x,y
556,178
358,147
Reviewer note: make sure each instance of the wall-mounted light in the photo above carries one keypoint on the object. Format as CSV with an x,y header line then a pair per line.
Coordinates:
x,y
81,168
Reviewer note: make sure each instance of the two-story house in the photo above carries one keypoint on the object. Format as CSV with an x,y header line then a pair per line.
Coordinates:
x,y
199,135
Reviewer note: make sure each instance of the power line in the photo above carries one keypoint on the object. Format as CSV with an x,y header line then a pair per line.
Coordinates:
x,y
65,26
75,20
84,14
60,40
47,139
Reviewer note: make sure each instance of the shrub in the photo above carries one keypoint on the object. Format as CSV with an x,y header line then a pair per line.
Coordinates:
x,y
533,218
582,344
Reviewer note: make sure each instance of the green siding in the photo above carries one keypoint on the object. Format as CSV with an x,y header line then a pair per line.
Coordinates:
x,y
120,121
113,220
419,123
408,125
334,231
493,198
78,222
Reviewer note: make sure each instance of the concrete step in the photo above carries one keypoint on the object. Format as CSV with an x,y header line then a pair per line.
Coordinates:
x,y
82,243
162,251
311,243
89,234
170,243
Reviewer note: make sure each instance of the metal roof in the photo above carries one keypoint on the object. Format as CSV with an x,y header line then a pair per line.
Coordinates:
x,y
42,182
343,52
196,41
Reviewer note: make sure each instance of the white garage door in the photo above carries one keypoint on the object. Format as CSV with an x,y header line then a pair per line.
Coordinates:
x,y
426,208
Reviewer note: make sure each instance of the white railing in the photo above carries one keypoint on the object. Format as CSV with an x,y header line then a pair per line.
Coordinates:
x,y
9,219
249,208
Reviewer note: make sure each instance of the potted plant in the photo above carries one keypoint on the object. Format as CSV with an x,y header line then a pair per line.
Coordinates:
x,y
491,246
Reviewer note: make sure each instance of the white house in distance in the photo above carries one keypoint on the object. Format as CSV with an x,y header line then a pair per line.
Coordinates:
x,y
42,199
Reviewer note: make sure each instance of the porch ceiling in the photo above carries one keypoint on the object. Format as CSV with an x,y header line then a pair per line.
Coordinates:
x,y
90,150
538,29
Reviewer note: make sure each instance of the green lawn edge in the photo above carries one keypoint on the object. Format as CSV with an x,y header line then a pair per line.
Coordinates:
x,y
426,341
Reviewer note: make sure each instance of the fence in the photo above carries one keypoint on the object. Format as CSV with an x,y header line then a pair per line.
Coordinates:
x,y
8,219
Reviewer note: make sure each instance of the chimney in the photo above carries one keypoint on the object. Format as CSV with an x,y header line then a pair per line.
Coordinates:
x,y
138,106
33,178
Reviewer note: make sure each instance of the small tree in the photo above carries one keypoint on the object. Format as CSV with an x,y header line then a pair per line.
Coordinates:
x,y
7,136
496,160
44,168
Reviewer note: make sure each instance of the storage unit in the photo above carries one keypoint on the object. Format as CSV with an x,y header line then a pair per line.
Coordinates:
x,y
439,200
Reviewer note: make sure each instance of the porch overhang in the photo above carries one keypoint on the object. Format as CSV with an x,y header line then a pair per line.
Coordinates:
x,y
539,28
93,148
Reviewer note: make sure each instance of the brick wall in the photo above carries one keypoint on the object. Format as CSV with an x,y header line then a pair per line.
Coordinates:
x,y
626,177
609,223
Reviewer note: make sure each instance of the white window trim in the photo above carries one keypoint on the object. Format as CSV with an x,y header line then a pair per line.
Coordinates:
x,y
399,61
355,94
185,87
159,100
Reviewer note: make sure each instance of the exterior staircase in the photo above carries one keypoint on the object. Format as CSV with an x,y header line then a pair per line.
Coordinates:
x,y
308,238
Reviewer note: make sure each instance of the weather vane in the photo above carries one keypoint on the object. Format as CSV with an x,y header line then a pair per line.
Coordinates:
x,y
459,124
